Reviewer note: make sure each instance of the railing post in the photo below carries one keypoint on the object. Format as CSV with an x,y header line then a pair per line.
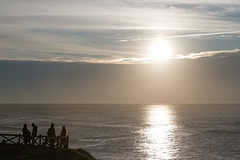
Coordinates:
x,y
67,142
40,140
58,139
45,144
19,139
19,142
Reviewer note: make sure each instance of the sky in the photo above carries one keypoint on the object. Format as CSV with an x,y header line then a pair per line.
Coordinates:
x,y
119,51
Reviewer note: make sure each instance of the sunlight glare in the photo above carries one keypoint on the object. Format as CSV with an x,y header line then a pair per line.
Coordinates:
x,y
160,50
160,133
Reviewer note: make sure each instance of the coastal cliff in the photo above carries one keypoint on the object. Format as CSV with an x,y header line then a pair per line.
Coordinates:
x,y
27,153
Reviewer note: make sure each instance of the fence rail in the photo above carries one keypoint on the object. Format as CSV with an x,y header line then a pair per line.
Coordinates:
x,y
40,140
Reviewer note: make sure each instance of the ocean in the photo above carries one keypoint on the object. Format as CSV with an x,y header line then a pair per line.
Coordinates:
x,y
136,132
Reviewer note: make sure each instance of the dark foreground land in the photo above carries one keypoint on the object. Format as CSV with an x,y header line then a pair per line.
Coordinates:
x,y
9,152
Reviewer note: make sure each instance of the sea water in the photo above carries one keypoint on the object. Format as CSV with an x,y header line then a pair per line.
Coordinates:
x,y
136,132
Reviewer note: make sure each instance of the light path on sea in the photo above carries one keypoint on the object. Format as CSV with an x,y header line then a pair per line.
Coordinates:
x,y
158,137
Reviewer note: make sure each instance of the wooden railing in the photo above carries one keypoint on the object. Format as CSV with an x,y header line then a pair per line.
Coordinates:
x,y
41,141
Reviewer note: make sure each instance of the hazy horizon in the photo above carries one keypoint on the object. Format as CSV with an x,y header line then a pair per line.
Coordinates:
x,y
178,81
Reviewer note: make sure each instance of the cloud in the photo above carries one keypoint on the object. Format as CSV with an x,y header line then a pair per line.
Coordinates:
x,y
208,54
103,59
81,27
181,36
116,14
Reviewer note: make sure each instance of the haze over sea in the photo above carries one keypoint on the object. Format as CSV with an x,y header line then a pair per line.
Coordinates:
x,y
139,132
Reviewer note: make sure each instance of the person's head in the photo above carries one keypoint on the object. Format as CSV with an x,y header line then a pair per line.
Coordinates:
x,y
25,125
33,124
52,125
63,127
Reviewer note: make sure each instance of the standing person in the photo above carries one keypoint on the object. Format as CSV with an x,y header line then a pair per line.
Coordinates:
x,y
63,136
26,134
51,134
34,133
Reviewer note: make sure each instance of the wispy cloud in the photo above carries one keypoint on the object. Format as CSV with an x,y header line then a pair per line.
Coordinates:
x,y
117,14
208,54
181,36
40,29
64,57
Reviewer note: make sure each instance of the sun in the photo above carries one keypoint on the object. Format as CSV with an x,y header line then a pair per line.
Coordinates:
x,y
160,50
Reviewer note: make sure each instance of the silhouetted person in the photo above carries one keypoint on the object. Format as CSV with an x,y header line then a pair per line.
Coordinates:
x,y
26,134
51,134
63,136
34,133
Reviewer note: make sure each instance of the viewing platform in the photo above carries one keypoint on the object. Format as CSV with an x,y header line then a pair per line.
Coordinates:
x,y
40,141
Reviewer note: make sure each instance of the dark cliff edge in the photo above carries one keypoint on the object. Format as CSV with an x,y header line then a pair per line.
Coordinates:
x,y
9,152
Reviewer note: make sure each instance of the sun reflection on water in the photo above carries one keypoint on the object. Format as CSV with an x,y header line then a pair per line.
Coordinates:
x,y
159,133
